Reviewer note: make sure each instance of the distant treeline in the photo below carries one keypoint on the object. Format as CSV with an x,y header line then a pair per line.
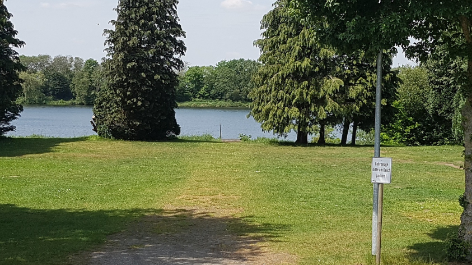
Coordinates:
x,y
77,81
63,78
228,80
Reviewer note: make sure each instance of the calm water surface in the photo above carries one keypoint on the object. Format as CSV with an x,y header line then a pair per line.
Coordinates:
x,y
74,121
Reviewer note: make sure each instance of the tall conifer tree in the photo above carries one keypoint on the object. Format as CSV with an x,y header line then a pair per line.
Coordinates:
x,y
10,66
295,83
144,50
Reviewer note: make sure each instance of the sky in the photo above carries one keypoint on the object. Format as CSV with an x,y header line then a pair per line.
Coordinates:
x,y
216,30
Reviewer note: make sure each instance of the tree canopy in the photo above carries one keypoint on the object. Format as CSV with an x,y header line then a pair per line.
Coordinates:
x,y
86,82
10,66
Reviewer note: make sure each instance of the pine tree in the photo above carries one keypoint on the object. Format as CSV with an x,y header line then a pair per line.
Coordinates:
x,y
144,50
10,66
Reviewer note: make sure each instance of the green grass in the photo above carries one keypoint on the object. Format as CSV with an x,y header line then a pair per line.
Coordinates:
x,y
62,196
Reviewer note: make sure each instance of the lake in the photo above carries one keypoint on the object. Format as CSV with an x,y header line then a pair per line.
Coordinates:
x,y
74,121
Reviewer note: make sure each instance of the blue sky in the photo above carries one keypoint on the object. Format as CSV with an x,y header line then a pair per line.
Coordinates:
x,y
216,29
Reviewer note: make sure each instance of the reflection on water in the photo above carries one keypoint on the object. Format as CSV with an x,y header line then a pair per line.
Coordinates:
x,y
74,121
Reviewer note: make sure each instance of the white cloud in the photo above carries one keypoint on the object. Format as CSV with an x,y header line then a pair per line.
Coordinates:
x,y
237,4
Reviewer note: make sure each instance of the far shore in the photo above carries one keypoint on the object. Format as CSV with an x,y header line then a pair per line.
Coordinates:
x,y
186,104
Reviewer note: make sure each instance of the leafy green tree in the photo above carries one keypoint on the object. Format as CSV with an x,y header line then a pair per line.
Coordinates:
x,y
356,97
84,84
138,99
228,80
64,65
58,73
10,83
412,122
447,76
232,80
35,64
192,83
353,25
57,86
294,86
364,117
33,84
426,105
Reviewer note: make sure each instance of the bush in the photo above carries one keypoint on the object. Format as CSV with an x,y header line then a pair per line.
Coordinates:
x,y
244,137
365,138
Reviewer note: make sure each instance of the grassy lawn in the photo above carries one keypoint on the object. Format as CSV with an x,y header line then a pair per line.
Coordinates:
x,y
63,196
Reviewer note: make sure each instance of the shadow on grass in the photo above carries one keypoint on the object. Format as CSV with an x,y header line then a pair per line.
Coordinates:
x,y
13,147
194,140
34,236
188,237
277,142
435,250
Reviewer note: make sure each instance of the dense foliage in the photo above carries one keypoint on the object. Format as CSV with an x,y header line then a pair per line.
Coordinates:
x,y
138,99
65,78
10,82
87,82
295,84
228,80
357,95
353,25
429,104
304,86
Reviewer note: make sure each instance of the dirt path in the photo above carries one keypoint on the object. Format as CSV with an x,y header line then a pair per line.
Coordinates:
x,y
198,227
184,236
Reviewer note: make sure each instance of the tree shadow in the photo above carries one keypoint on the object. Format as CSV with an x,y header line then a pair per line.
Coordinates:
x,y
196,140
294,144
186,236
137,236
14,147
435,250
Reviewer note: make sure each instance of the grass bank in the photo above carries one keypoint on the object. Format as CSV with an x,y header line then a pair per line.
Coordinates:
x,y
213,104
63,196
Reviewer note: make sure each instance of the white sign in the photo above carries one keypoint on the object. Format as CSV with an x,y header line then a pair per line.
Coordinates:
x,y
382,170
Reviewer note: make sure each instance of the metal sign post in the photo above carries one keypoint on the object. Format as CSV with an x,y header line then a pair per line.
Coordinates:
x,y
378,102
381,174
379,226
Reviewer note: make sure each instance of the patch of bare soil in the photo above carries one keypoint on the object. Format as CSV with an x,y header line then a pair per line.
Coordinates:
x,y
450,165
186,236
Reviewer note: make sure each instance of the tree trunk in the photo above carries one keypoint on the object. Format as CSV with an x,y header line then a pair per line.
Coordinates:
x,y
321,140
302,137
465,230
345,131
354,132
